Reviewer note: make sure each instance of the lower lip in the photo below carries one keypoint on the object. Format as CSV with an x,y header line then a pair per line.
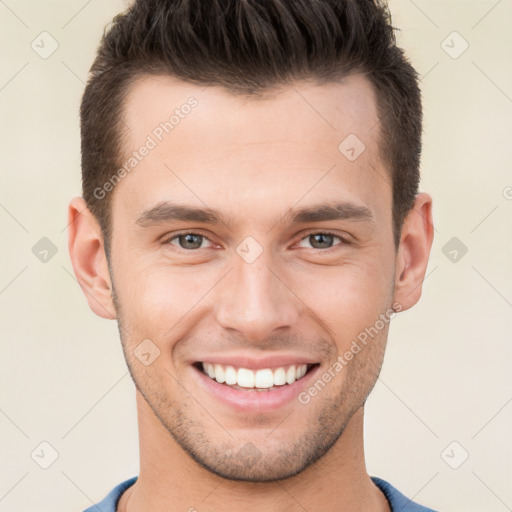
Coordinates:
x,y
255,401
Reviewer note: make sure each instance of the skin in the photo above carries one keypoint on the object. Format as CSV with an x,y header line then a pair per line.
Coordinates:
x,y
253,160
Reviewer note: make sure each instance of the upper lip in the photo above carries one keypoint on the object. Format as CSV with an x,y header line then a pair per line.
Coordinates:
x,y
256,363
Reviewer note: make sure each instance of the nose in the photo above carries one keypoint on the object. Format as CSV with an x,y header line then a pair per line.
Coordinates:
x,y
256,301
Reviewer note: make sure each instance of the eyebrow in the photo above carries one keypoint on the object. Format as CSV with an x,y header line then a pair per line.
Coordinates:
x,y
335,211
167,212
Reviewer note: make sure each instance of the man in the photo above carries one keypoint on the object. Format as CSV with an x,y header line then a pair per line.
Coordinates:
x,y
251,218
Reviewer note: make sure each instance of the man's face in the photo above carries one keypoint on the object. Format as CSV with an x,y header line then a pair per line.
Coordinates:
x,y
257,289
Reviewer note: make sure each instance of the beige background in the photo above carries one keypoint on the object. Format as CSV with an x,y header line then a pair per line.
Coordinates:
x,y
447,374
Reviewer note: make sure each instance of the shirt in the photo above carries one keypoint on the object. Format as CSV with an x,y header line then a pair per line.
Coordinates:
x,y
397,501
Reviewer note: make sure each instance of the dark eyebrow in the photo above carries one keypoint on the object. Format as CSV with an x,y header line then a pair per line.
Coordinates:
x,y
333,211
167,212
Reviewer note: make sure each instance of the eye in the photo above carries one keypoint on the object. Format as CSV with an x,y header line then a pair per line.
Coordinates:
x,y
187,241
321,240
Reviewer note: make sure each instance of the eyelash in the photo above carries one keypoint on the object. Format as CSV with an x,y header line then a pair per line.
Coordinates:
x,y
343,240
177,235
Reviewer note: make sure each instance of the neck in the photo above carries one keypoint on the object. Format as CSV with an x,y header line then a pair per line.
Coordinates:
x,y
170,480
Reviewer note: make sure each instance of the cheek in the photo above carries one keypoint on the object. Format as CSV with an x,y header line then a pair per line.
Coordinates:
x,y
348,298
156,304
156,297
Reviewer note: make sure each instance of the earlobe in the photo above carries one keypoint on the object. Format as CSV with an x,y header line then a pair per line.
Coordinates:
x,y
86,249
413,252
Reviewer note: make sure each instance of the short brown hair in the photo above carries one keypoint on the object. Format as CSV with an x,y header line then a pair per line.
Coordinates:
x,y
249,47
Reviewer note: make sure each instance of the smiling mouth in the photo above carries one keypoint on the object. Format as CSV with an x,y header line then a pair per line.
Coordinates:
x,y
264,379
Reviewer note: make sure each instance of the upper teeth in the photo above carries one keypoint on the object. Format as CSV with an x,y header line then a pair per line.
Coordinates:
x,y
264,378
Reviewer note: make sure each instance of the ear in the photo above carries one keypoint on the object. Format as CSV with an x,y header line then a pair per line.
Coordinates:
x,y
86,248
413,252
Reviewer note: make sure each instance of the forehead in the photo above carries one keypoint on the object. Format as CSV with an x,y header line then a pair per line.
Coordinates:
x,y
333,109
207,143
